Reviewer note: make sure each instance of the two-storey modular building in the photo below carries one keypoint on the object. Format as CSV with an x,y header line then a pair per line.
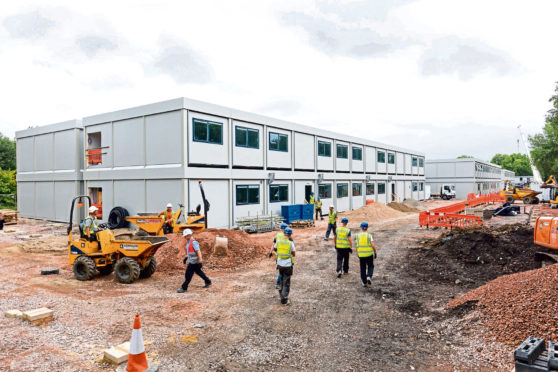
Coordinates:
x,y
145,157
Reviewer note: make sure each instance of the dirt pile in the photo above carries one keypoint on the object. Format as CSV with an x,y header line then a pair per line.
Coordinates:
x,y
518,305
372,213
475,256
414,204
402,207
243,250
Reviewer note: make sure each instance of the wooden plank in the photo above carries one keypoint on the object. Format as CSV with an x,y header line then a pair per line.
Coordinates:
x,y
14,314
115,355
38,314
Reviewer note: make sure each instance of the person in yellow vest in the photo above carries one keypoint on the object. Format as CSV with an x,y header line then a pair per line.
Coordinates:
x,y
343,246
332,222
279,235
318,207
285,252
168,219
366,251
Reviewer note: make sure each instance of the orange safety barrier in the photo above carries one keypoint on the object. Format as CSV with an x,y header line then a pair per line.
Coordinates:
x,y
94,156
449,216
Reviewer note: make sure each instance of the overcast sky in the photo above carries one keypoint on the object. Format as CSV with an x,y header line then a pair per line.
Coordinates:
x,y
439,76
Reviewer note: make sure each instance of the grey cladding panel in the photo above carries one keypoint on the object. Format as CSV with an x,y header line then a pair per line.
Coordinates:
x,y
64,192
26,198
162,192
25,154
65,150
130,195
44,152
128,142
164,138
44,200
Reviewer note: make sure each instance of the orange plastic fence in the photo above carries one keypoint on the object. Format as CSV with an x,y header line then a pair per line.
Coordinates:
x,y
449,216
94,156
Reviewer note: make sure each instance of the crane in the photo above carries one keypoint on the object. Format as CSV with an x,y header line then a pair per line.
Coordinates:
x,y
536,174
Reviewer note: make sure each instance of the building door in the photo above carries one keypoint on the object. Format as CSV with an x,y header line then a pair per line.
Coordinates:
x,y
393,195
307,192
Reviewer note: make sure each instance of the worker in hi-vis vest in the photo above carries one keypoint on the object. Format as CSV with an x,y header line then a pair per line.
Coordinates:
x,y
284,250
366,251
311,198
318,207
343,246
168,219
280,234
332,222
90,225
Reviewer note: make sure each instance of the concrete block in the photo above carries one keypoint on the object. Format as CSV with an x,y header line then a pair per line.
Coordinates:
x,y
115,356
221,246
14,314
38,314
124,347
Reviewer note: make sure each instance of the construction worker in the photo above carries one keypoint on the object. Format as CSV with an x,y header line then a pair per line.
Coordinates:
x,y
332,222
319,209
194,259
284,250
366,251
343,246
90,224
280,234
168,219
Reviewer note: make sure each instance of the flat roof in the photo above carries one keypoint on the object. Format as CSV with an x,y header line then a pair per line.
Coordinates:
x,y
461,160
50,128
217,110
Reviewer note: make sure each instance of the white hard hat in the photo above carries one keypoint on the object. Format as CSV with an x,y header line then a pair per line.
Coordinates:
x,y
187,232
93,209
331,206
169,205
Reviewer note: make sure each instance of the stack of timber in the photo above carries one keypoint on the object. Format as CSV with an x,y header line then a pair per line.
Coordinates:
x,y
259,223
9,216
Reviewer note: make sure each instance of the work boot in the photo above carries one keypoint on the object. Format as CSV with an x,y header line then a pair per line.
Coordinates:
x,y
364,284
369,280
339,274
277,286
181,290
207,285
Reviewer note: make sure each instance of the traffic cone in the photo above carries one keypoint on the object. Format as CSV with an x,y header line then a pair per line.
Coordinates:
x,y
137,360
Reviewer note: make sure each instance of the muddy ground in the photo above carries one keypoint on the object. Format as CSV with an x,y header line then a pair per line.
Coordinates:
x,y
333,324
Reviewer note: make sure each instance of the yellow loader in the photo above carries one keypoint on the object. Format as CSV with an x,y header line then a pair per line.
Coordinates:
x,y
129,259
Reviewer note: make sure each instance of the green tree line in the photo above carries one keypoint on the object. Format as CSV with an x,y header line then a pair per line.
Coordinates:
x,y
544,146
8,185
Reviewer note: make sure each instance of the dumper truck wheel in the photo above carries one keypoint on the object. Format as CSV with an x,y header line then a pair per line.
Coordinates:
x,y
105,270
527,200
149,269
510,199
127,270
84,268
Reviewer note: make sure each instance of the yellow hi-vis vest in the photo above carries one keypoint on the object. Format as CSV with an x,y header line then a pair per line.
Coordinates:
x,y
332,218
342,234
364,244
168,217
319,204
311,199
280,234
283,246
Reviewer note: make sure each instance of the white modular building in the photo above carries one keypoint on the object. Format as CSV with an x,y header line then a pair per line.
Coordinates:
x,y
144,157
468,175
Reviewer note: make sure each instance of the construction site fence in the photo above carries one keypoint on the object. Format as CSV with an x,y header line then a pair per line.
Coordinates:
x,y
449,216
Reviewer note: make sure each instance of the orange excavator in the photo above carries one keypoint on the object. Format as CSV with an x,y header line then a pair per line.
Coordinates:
x,y
546,235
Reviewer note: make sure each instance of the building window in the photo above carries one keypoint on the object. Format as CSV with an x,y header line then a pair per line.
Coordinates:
x,y
208,131
381,188
342,190
278,193
278,142
421,186
415,186
369,189
324,191
96,195
247,194
324,149
342,151
381,157
391,158
357,153
357,189
415,160
246,137
94,151
421,162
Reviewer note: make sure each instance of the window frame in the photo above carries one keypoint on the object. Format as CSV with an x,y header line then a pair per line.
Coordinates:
x,y
414,161
373,184
414,186
247,130
421,186
421,162
323,196
279,142
353,148
392,156
378,156
325,155
248,187
207,124
359,188
346,147
279,186
384,186
345,186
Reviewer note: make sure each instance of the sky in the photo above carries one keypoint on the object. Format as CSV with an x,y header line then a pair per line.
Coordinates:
x,y
442,77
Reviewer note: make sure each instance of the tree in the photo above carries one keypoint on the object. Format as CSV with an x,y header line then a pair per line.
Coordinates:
x,y
7,153
465,157
8,186
518,163
544,146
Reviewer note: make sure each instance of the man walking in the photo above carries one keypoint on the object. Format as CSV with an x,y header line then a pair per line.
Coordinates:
x,y
366,251
168,219
319,209
332,222
285,251
343,246
280,234
194,259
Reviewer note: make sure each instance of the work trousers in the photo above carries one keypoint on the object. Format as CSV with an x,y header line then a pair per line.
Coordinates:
x,y
284,289
192,269
366,267
167,228
319,214
330,227
343,259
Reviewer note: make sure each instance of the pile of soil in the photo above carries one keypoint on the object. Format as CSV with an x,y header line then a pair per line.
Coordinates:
x,y
518,305
372,213
242,251
402,207
414,204
474,256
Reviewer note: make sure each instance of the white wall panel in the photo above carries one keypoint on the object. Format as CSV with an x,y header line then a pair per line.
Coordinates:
x,y
390,167
325,163
408,189
162,192
44,152
129,142
217,193
407,164
357,165
370,156
381,198
299,191
343,204
279,159
24,153
381,167
357,201
130,195
44,200
245,156
305,153
399,163
163,138
208,153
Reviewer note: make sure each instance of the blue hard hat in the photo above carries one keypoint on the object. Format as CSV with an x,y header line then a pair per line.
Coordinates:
x,y
344,220
364,225
288,231
284,226
312,193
